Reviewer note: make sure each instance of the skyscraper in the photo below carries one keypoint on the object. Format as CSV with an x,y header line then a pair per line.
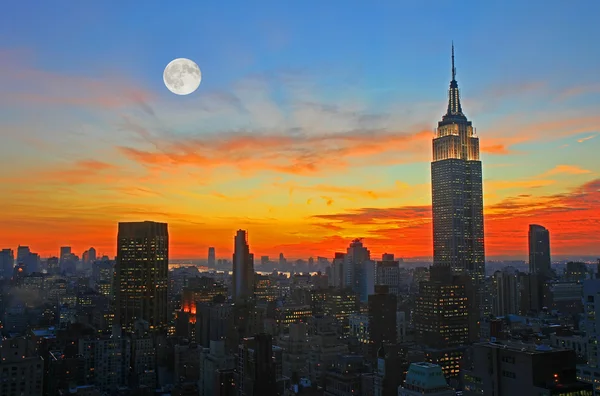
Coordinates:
x,y
243,268
142,274
456,181
539,250
211,257
356,255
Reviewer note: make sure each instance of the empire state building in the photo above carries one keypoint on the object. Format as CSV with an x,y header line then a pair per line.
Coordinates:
x,y
457,194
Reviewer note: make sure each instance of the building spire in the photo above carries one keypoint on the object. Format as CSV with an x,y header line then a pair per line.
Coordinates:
x,y
454,107
453,68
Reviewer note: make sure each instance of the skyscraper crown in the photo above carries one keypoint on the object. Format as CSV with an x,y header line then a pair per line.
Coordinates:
x,y
454,107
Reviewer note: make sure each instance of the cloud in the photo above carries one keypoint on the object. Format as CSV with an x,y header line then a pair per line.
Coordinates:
x,y
586,138
282,152
498,141
580,90
26,85
573,218
495,185
349,193
566,170
328,200
83,171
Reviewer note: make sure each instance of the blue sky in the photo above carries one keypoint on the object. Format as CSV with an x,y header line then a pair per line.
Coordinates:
x,y
382,44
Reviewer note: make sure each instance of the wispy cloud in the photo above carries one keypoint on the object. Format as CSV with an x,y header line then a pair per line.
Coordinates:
x,y
586,138
566,170
25,85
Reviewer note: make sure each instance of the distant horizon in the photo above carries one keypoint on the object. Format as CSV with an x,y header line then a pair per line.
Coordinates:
x,y
290,259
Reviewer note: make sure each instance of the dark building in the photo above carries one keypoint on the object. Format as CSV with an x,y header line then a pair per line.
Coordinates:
x,y
225,383
142,274
457,195
243,268
391,370
211,257
382,319
511,368
539,250
532,287
577,271
346,377
255,371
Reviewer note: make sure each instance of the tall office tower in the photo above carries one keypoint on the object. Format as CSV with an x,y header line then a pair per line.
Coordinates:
x,y
539,250
7,263
142,270
356,256
92,254
456,183
211,257
243,268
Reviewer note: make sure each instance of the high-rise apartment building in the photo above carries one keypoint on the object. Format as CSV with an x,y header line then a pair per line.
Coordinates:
x,y
243,268
539,250
457,194
142,274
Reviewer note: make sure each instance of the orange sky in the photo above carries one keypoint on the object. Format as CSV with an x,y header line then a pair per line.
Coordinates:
x,y
304,177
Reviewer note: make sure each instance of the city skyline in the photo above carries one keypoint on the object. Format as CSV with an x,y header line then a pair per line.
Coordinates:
x,y
292,135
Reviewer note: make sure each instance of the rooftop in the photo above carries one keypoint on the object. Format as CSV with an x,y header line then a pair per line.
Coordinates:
x,y
519,346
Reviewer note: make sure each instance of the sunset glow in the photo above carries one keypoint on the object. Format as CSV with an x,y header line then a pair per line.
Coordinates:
x,y
304,155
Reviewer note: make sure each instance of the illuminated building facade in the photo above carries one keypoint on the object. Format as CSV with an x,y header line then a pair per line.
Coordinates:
x,y
264,288
142,274
289,314
197,294
444,320
457,194
341,304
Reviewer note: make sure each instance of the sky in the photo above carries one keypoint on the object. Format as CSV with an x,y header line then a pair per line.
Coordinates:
x,y
312,125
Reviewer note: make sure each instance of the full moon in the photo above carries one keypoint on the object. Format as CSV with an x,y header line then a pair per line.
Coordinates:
x,y
182,76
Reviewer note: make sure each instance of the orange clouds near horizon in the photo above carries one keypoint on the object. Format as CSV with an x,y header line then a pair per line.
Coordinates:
x,y
573,219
